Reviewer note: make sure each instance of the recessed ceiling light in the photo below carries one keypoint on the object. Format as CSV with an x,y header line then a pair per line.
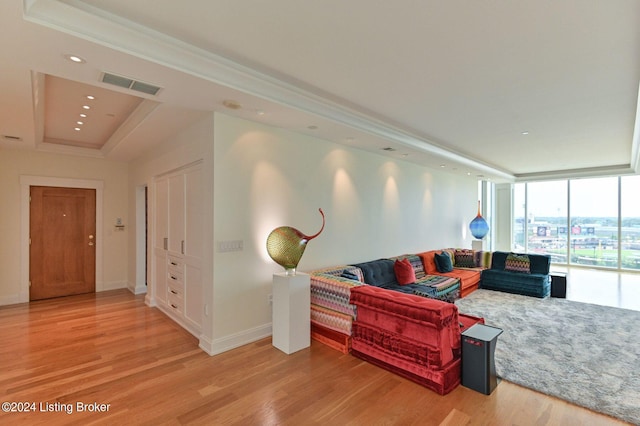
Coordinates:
x,y
442,166
468,173
77,129
75,58
80,122
83,115
525,133
91,97
86,107
260,112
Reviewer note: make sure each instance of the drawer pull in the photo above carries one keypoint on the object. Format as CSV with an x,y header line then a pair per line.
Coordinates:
x,y
174,292
174,263
174,306
172,277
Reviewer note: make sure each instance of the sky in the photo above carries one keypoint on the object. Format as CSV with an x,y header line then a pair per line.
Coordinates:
x,y
596,197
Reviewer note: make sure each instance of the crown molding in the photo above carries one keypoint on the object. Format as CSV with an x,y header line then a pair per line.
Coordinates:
x,y
92,24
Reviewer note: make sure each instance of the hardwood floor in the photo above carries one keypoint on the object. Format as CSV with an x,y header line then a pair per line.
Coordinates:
x,y
602,287
111,349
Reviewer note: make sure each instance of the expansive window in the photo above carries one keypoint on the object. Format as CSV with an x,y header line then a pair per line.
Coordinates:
x,y
630,222
547,217
580,221
594,222
519,217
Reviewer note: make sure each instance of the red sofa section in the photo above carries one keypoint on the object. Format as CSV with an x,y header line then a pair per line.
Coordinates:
x,y
415,337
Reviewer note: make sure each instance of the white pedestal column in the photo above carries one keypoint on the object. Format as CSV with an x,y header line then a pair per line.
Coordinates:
x,y
477,245
291,313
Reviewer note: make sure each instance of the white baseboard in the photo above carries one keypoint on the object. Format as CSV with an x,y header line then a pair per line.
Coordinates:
x,y
137,289
110,285
13,299
227,343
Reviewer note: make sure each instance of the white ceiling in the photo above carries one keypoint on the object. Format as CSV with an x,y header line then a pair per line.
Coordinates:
x,y
451,84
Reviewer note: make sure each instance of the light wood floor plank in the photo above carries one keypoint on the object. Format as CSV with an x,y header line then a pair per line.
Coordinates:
x,y
110,348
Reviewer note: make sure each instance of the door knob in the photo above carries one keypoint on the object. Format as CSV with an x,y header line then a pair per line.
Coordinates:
x,y
90,243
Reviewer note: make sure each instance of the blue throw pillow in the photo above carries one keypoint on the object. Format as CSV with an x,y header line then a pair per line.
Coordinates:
x,y
443,262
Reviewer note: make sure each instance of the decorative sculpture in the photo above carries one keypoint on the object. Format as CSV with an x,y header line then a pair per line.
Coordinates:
x,y
286,246
478,226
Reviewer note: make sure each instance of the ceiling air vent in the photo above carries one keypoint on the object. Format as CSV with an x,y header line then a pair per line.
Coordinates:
x,y
388,148
129,83
11,138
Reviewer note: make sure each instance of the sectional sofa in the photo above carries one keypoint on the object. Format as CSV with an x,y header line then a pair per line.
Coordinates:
x,y
395,313
407,327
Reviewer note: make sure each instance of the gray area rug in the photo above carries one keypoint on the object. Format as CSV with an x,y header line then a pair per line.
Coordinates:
x,y
582,353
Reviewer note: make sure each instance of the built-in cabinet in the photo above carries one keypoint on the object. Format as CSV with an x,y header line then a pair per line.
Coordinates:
x,y
178,246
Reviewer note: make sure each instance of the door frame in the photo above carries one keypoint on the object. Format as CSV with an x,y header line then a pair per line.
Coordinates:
x,y
26,182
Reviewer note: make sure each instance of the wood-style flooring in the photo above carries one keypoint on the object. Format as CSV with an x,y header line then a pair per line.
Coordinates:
x,y
110,352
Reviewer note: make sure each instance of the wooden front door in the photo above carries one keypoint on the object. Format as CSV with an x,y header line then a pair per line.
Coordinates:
x,y
62,259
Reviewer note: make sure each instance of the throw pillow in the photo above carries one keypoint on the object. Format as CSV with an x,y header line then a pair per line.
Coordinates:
x,y
518,263
464,259
404,272
443,262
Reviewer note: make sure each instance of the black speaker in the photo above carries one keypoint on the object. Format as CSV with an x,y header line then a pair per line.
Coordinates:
x,y
478,364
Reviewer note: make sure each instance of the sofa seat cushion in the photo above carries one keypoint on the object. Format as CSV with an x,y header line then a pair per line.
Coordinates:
x,y
536,285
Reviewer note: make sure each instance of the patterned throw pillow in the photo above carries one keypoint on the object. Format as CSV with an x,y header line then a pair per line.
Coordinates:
x,y
464,259
483,259
517,263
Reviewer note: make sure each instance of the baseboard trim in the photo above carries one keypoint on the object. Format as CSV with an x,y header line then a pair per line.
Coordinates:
x,y
111,285
13,300
137,289
224,344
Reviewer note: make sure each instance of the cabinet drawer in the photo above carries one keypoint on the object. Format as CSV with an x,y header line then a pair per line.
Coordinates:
x,y
175,264
176,291
174,303
175,278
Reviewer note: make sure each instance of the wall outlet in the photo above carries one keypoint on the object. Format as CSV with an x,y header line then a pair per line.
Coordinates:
x,y
270,298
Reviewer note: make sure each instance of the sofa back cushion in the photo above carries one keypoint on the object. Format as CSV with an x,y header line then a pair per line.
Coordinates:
x,y
379,273
429,262
464,258
483,259
540,264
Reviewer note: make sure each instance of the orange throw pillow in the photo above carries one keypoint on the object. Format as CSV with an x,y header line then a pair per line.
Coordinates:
x,y
404,272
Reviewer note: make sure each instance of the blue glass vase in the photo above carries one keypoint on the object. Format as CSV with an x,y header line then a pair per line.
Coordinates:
x,y
478,226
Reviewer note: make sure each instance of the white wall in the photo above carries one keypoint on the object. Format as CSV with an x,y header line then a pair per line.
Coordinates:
x,y
375,207
114,175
